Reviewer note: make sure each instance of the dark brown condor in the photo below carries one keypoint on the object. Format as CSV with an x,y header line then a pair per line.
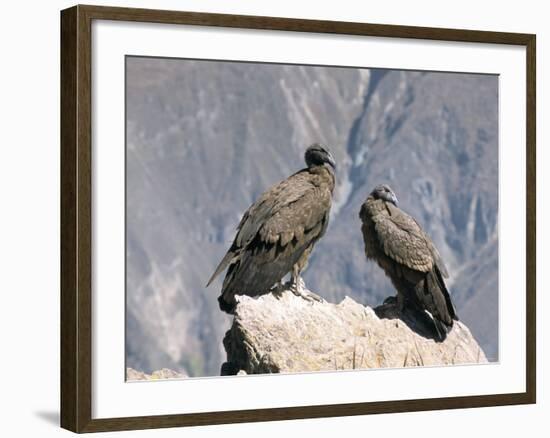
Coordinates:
x,y
408,257
277,233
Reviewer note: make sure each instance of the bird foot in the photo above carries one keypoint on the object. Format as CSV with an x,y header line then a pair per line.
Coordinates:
x,y
298,288
396,301
391,301
277,290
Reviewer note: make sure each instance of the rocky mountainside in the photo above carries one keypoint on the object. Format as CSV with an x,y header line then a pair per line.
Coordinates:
x,y
165,373
289,334
204,139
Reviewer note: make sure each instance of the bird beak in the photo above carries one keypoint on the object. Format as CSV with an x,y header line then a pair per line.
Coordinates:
x,y
394,200
330,160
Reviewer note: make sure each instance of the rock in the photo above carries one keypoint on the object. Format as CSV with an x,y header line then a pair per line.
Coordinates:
x,y
165,373
289,334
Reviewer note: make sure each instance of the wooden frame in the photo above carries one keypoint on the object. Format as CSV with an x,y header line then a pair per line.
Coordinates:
x,y
76,238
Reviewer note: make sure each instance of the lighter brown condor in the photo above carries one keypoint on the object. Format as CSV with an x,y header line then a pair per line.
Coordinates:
x,y
409,258
277,233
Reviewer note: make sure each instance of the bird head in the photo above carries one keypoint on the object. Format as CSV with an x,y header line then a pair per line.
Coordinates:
x,y
318,155
384,192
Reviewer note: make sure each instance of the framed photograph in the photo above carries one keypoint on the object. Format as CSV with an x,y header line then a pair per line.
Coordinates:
x,y
269,218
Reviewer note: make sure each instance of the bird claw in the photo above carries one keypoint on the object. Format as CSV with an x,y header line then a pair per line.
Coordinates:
x,y
298,288
311,297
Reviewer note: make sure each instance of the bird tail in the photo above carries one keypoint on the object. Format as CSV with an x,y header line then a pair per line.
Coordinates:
x,y
441,283
223,264
443,309
441,330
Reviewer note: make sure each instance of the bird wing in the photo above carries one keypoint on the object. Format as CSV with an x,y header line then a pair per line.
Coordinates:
x,y
295,220
438,261
403,240
276,199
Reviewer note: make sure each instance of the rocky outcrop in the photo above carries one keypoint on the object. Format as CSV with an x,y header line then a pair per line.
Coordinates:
x,y
165,373
289,334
